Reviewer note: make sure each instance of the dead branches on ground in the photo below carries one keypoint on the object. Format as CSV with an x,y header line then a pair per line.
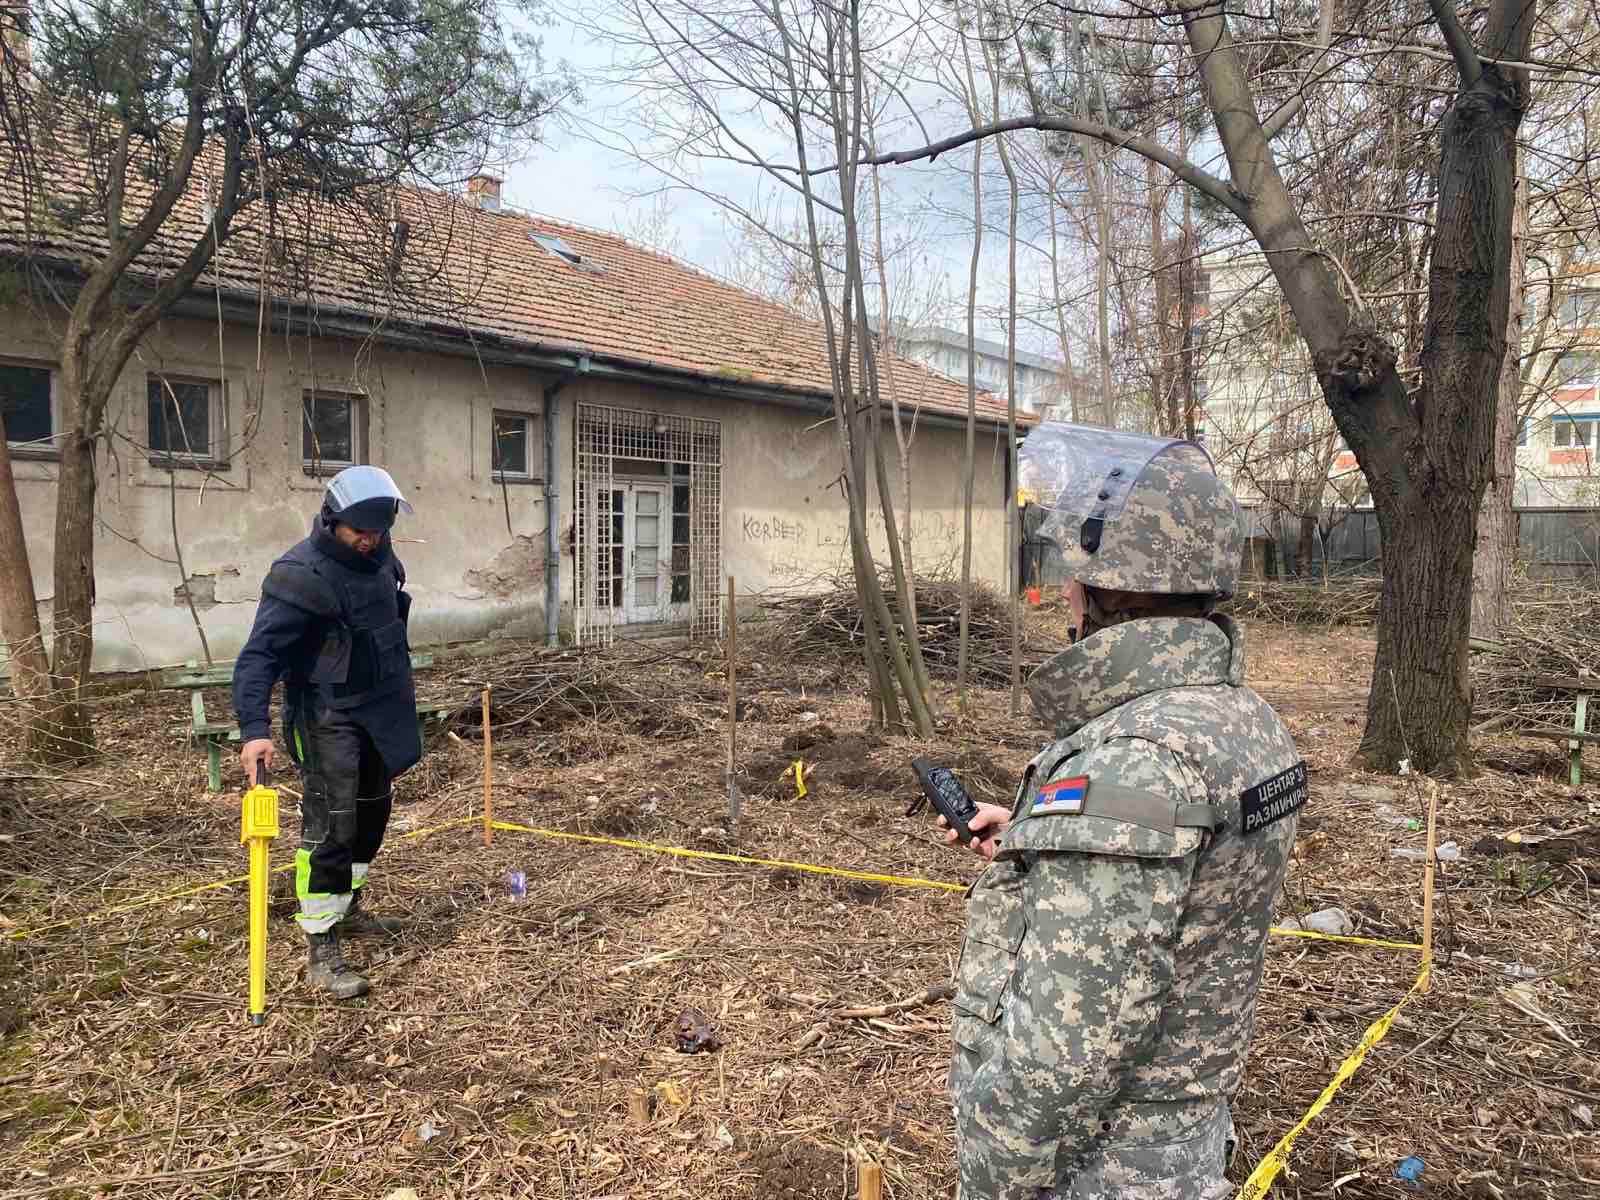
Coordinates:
x,y
1337,601
827,624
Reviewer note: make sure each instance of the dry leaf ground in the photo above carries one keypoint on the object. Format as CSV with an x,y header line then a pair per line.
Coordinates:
x,y
525,1047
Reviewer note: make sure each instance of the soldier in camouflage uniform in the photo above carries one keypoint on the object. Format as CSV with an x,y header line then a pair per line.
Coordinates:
x,y
1107,983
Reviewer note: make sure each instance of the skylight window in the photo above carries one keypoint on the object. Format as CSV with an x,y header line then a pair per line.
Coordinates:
x,y
558,247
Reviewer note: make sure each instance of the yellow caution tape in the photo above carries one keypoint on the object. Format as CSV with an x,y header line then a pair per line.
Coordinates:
x,y
896,880
1277,1158
100,914
718,856
908,881
1351,939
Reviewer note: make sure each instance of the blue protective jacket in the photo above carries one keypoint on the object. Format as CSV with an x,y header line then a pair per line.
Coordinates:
x,y
332,625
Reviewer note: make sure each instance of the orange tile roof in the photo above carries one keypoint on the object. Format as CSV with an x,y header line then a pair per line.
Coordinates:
x,y
475,272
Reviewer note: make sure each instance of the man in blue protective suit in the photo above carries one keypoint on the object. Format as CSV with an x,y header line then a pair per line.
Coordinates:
x,y
332,625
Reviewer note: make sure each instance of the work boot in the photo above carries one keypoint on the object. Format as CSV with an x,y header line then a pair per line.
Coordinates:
x,y
328,970
357,922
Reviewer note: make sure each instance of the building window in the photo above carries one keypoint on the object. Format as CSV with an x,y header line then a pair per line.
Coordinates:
x,y
512,437
558,247
1577,369
1580,309
332,431
27,399
185,417
1573,432
680,533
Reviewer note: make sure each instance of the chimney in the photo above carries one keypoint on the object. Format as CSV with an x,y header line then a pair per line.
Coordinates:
x,y
483,191
14,21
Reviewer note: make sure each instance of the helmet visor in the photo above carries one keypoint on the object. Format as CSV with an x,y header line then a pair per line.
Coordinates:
x,y
354,485
1080,473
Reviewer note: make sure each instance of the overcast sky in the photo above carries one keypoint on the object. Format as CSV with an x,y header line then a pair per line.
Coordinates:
x,y
572,177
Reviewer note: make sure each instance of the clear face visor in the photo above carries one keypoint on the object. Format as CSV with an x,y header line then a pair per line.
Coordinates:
x,y
1080,476
353,485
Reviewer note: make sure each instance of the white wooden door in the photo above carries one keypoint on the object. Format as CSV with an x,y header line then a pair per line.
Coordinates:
x,y
647,595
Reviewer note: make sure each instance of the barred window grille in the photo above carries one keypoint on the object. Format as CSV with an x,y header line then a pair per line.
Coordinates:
x,y
683,457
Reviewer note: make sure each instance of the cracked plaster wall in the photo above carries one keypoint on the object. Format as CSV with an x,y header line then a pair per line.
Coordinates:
x,y
428,420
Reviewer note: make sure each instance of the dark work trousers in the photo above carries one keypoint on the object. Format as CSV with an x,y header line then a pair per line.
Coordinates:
x,y
343,814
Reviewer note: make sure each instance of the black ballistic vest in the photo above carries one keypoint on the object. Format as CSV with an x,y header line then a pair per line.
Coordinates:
x,y
362,666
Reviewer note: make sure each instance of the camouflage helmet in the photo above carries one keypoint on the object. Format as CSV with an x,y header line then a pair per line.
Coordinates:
x,y
1132,512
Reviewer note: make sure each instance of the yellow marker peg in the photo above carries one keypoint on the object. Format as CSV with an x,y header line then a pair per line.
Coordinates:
x,y
797,771
258,825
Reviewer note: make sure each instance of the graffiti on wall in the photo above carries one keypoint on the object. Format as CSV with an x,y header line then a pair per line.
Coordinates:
x,y
769,529
794,549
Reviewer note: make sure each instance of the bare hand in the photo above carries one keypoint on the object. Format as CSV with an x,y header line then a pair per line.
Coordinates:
x,y
257,750
992,818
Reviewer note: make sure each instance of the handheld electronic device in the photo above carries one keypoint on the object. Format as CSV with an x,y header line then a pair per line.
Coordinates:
x,y
943,790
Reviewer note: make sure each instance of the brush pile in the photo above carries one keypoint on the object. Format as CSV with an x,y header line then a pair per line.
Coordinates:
x,y
826,624
542,691
1553,634
1347,600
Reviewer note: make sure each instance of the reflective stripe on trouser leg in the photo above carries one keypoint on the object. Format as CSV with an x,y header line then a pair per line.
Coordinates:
x,y
358,875
328,822
319,911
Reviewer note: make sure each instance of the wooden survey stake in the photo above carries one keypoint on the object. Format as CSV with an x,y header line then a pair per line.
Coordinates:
x,y
733,711
1427,886
488,775
869,1180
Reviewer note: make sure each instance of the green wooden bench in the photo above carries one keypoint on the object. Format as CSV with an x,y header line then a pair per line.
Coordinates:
x,y
1583,686
213,735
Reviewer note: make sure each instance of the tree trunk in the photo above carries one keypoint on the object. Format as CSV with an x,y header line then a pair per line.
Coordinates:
x,y
1094,158
1420,704
70,733
1308,537
19,608
1013,528
963,647
1188,268
1427,515
1497,530
1063,340
1163,395
1426,464
905,568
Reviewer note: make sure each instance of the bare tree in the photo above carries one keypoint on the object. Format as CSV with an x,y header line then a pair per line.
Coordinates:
x,y
756,83
1496,551
19,608
1425,456
158,128
971,99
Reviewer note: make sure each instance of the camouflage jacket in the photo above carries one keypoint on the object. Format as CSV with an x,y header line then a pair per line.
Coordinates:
x,y
1107,983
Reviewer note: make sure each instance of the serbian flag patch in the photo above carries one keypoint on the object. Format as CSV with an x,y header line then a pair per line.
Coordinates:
x,y
1064,795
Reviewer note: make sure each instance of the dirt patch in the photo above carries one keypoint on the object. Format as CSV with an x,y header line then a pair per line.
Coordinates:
x,y
794,1170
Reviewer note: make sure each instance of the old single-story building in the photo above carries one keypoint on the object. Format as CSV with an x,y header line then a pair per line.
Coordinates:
x,y
594,435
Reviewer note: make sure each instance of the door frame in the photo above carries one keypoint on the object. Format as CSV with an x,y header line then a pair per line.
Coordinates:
x,y
633,612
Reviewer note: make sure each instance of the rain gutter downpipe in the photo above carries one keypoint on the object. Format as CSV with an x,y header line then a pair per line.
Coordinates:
x,y
552,504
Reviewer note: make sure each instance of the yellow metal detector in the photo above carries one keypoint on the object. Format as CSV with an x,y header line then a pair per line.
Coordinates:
x,y
257,827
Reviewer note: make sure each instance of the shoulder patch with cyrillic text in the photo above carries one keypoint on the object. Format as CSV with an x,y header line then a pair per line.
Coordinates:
x,y
1275,798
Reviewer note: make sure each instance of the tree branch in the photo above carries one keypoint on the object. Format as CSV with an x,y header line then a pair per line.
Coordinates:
x,y
1218,189
1466,58
229,201
1275,124
117,183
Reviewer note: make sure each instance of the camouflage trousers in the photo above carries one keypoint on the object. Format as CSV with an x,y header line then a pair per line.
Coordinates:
x,y
1186,1170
